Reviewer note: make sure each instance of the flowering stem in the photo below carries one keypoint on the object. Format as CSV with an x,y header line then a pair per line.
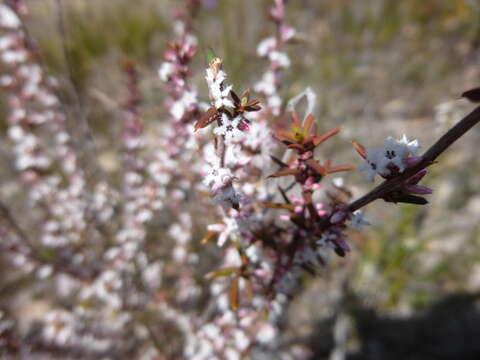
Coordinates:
x,y
428,158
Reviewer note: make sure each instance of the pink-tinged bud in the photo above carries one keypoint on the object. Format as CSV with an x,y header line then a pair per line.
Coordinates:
x,y
321,212
170,55
190,51
418,189
412,161
278,11
298,209
243,126
286,32
310,180
307,155
338,217
417,177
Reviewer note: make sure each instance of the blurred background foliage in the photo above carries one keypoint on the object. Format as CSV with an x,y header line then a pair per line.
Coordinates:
x,y
379,67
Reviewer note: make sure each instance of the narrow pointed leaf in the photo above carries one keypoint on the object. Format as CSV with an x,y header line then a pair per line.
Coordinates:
x,y
207,118
285,172
296,147
221,273
246,94
339,168
360,149
233,294
278,206
473,95
235,97
296,120
283,135
284,195
308,124
411,199
315,165
253,103
317,140
278,161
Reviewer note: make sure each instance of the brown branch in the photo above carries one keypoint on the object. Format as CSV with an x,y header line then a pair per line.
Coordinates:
x,y
428,158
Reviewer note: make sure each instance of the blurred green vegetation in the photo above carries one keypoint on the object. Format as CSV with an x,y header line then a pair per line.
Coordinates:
x,y
362,57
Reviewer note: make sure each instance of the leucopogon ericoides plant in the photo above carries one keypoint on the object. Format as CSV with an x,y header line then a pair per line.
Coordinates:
x,y
242,170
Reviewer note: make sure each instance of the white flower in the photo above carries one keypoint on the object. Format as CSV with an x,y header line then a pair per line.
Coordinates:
x,y
374,163
8,18
165,71
266,334
217,177
234,156
412,146
59,326
280,59
338,181
226,197
267,84
229,128
380,160
265,46
224,230
182,105
257,135
398,150
219,92
358,220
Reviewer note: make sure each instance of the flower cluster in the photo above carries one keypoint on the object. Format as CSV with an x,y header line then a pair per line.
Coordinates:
x,y
393,158
273,48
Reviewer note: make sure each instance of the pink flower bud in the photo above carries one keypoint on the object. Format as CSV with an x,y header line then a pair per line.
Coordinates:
x,y
417,177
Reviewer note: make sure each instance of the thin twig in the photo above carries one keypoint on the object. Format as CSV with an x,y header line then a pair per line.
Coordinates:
x,y
428,158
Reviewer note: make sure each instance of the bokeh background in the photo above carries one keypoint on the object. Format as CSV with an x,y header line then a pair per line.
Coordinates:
x,y
410,289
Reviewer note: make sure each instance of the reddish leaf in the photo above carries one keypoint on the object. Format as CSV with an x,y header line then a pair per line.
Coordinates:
x,y
284,135
252,108
360,149
253,103
296,147
285,172
317,140
345,167
296,120
308,124
315,165
207,118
